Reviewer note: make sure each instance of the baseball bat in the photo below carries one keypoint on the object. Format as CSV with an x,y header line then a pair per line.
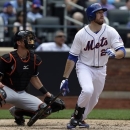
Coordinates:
x,y
40,112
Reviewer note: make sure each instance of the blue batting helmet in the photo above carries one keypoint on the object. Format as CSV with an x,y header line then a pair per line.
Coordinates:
x,y
92,9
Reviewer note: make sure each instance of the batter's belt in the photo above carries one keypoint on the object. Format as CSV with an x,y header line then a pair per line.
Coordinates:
x,y
97,66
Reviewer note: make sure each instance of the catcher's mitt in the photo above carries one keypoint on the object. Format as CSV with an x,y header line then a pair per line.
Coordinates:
x,y
2,96
57,105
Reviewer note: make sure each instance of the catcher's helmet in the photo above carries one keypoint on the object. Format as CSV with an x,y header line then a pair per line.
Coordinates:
x,y
24,35
92,9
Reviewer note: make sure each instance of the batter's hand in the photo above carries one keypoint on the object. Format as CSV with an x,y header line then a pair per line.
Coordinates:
x,y
1,85
110,53
64,87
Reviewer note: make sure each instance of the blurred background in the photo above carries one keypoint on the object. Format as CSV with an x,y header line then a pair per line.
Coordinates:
x,y
45,17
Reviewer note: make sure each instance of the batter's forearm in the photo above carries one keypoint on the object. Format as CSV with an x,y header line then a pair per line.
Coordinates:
x,y
119,54
68,68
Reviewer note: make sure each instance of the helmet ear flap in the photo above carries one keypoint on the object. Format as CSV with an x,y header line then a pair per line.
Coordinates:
x,y
92,17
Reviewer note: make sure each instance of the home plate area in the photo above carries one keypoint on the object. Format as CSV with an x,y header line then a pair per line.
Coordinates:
x,y
60,124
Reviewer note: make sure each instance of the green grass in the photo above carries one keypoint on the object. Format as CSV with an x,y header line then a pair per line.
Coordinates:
x,y
109,114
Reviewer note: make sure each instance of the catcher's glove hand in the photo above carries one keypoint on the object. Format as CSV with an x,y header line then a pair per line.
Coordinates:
x,y
57,105
2,96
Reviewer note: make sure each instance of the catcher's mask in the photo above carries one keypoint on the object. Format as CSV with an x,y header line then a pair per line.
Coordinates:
x,y
27,36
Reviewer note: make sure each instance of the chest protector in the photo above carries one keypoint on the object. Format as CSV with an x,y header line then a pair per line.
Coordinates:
x,y
21,71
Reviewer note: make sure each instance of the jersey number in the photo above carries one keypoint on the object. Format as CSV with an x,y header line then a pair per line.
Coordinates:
x,y
103,52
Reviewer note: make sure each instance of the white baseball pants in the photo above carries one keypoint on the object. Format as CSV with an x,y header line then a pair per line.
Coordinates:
x,y
92,82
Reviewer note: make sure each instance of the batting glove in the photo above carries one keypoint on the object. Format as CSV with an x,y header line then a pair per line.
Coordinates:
x,y
110,53
64,87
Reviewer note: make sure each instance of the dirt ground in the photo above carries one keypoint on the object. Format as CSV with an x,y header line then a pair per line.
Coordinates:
x,y
60,124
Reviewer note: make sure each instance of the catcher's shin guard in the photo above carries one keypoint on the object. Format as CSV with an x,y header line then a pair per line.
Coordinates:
x,y
42,111
47,112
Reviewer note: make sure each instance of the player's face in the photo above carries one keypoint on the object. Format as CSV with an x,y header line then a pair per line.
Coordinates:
x,y
30,39
21,44
99,17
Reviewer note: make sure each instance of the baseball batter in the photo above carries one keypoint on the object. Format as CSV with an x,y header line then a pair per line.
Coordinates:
x,y
91,48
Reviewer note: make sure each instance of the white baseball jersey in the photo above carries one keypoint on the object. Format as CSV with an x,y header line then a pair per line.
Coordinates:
x,y
90,47
52,46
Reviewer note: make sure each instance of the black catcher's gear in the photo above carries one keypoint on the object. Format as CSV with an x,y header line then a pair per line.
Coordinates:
x,y
19,72
2,96
57,105
26,36
44,110
41,112
47,111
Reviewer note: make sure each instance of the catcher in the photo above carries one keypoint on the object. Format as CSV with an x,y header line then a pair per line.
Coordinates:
x,y
17,69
